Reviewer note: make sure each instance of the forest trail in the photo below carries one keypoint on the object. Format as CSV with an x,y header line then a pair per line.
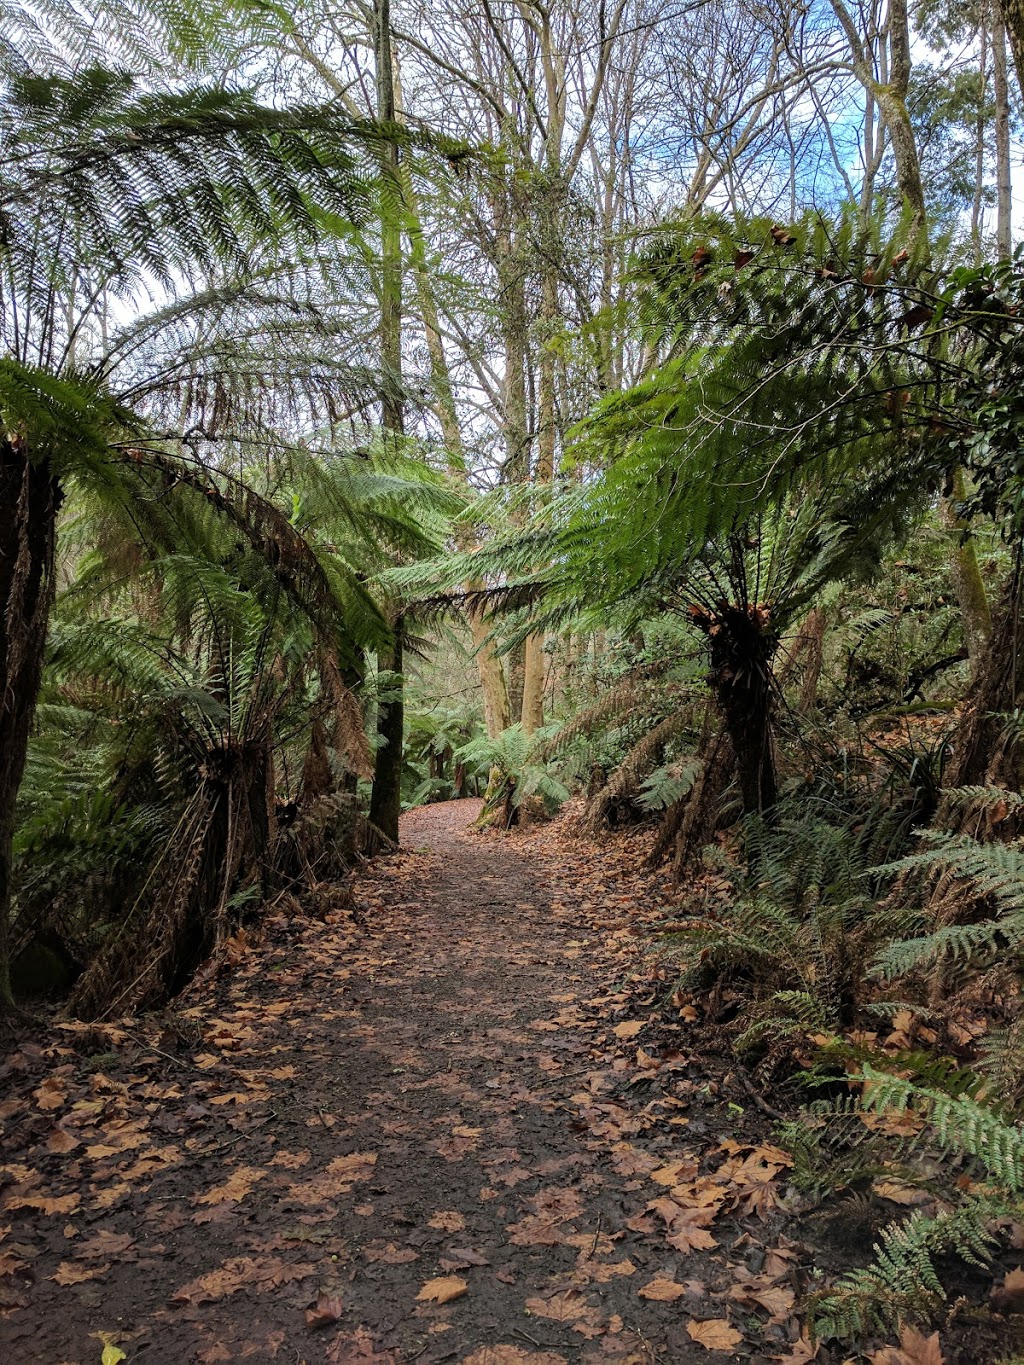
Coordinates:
x,y
397,1134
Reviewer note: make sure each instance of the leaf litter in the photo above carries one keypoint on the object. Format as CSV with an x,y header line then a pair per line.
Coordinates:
x,y
452,1119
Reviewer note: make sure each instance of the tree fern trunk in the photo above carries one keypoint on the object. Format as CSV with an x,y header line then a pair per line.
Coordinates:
x,y
741,647
985,749
386,797
29,501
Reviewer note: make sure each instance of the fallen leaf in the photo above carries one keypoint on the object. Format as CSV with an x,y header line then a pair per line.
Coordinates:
x,y
1008,1297
899,1193
714,1334
50,1095
914,1349
241,1272
65,1204
447,1220
443,1290
566,1307
324,1311
70,1273
629,1028
512,1355
662,1290
235,1188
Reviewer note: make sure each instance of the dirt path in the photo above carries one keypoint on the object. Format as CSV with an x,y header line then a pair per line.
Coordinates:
x,y
364,1118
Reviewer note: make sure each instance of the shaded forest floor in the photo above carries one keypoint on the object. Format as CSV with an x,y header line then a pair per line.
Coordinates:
x,y
450,1120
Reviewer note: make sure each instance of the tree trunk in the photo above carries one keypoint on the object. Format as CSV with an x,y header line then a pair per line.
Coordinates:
x,y
30,498
985,751
1013,19
534,662
741,647
1004,189
814,658
968,583
489,666
386,796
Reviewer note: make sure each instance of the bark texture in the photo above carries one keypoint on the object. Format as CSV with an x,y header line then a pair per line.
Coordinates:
x,y
29,502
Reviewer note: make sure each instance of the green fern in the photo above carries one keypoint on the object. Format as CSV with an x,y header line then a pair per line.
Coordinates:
x,y
902,1282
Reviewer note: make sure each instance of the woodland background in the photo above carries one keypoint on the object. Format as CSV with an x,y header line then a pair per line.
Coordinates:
x,y
614,404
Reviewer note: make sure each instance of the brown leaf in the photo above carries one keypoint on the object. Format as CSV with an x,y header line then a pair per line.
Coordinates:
x,y
512,1355
443,1289
566,1307
291,1161
235,1188
65,1204
899,1193
447,1220
1008,1297
458,1258
689,1235
104,1243
714,1334
50,1095
914,1349
662,1290
629,1028
324,1311
241,1272
70,1273
60,1140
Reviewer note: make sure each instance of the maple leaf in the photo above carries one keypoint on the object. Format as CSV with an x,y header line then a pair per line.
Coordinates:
x,y
674,1173
447,1220
662,1290
460,1257
714,1334
899,1193
70,1273
65,1204
690,1233
914,1349
235,1188
536,1231
49,1095
325,1311
241,1272
104,1243
763,1291
357,1349
566,1307
60,1140
291,1161
1008,1297
603,1271
443,1289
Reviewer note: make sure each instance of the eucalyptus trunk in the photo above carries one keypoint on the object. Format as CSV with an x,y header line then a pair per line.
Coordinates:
x,y
1001,91
386,796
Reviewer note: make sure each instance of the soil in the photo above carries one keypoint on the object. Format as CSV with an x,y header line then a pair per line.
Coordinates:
x,y
428,1126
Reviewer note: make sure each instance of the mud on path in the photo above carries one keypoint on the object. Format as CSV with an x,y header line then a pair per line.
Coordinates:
x,y
399,1134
